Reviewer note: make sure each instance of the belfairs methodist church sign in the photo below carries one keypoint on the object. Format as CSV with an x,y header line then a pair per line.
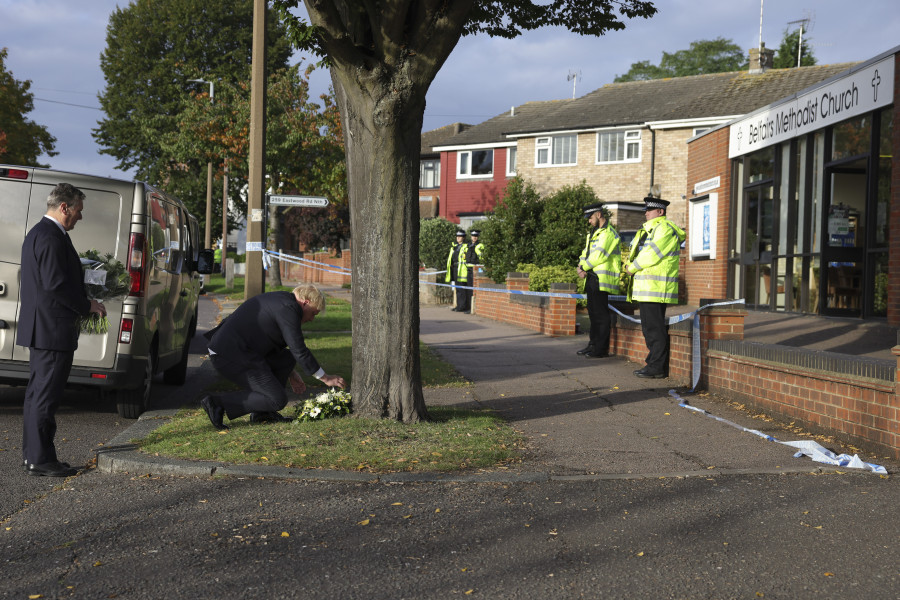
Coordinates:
x,y
856,93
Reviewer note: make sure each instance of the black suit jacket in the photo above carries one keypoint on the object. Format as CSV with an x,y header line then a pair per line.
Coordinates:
x,y
262,327
52,295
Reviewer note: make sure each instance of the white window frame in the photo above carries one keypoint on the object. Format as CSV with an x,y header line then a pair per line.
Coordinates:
x,y
630,138
544,154
512,154
460,174
436,170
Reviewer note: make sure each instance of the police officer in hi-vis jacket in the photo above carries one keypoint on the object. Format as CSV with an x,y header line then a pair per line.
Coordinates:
x,y
654,267
599,266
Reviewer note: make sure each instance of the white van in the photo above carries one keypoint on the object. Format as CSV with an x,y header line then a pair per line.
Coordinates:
x,y
156,239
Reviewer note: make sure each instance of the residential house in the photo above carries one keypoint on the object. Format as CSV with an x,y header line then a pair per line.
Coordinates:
x,y
430,167
477,164
621,139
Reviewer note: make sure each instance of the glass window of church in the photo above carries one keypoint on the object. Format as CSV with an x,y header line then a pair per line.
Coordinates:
x,y
883,200
851,138
762,165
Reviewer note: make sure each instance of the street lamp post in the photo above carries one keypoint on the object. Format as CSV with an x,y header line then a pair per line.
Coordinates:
x,y
207,238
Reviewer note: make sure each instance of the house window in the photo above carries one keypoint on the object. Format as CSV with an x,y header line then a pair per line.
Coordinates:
x,y
429,174
511,162
475,163
619,146
556,150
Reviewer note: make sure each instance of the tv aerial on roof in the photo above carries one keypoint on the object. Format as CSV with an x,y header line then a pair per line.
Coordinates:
x,y
574,76
806,22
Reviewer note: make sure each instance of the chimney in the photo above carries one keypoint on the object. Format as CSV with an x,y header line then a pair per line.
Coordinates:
x,y
512,111
457,127
761,59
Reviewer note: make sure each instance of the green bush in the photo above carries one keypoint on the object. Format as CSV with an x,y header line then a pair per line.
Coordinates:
x,y
435,238
561,235
509,232
540,278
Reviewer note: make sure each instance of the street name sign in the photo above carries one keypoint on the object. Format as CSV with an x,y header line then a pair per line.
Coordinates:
x,y
315,201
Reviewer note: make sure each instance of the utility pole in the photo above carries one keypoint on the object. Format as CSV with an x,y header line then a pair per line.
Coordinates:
x,y
254,282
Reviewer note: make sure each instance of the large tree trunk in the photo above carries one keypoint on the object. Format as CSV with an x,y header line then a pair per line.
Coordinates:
x,y
384,56
382,140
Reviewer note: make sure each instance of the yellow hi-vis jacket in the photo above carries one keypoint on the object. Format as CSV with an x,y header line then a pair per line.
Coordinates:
x,y
462,270
601,255
654,261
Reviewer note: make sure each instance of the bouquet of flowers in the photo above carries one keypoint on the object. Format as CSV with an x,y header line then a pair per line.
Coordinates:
x,y
105,278
333,403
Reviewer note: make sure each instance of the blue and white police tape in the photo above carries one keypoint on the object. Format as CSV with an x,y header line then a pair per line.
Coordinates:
x,y
695,343
305,262
809,448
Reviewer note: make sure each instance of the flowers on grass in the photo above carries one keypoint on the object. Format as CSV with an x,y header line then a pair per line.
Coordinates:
x,y
105,278
333,403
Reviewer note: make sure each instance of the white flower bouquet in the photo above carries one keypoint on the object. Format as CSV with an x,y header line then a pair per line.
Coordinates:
x,y
333,403
105,278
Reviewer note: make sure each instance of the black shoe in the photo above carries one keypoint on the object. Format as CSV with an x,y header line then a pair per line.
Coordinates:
x,y
25,464
650,374
51,469
214,412
454,309
593,354
586,350
636,371
268,417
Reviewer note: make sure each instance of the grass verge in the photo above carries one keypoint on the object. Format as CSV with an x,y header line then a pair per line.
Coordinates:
x,y
454,439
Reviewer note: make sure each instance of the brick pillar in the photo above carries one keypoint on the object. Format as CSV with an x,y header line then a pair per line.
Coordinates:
x,y
517,281
479,298
561,312
717,323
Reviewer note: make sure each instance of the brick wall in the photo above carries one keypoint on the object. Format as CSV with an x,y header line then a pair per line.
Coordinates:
x,y
708,158
550,316
855,410
307,273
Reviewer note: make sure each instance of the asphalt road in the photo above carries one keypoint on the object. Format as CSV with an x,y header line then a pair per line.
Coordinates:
x,y
791,535
773,536
85,421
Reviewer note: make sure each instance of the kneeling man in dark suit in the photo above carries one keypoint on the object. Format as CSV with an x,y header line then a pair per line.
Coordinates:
x,y
257,347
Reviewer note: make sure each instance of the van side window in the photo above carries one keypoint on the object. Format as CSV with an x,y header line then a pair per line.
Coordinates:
x,y
159,233
176,250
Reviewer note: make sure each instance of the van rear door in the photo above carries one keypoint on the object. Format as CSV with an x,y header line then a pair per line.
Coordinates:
x,y
15,190
105,228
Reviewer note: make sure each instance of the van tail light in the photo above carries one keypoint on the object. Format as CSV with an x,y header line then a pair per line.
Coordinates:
x,y
137,262
14,173
125,331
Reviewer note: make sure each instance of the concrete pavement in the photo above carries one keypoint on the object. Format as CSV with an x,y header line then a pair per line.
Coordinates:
x,y
583,418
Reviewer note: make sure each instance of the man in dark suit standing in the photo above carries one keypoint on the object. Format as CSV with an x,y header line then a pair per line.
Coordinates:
x,y
257,347
51,302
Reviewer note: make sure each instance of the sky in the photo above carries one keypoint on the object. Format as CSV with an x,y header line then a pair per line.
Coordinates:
x,y
56,44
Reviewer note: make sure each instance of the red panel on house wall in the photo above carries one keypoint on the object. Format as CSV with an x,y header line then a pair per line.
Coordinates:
x,y
470,195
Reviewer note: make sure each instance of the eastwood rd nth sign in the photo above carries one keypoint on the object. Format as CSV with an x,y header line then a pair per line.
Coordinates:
x,y
316,201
